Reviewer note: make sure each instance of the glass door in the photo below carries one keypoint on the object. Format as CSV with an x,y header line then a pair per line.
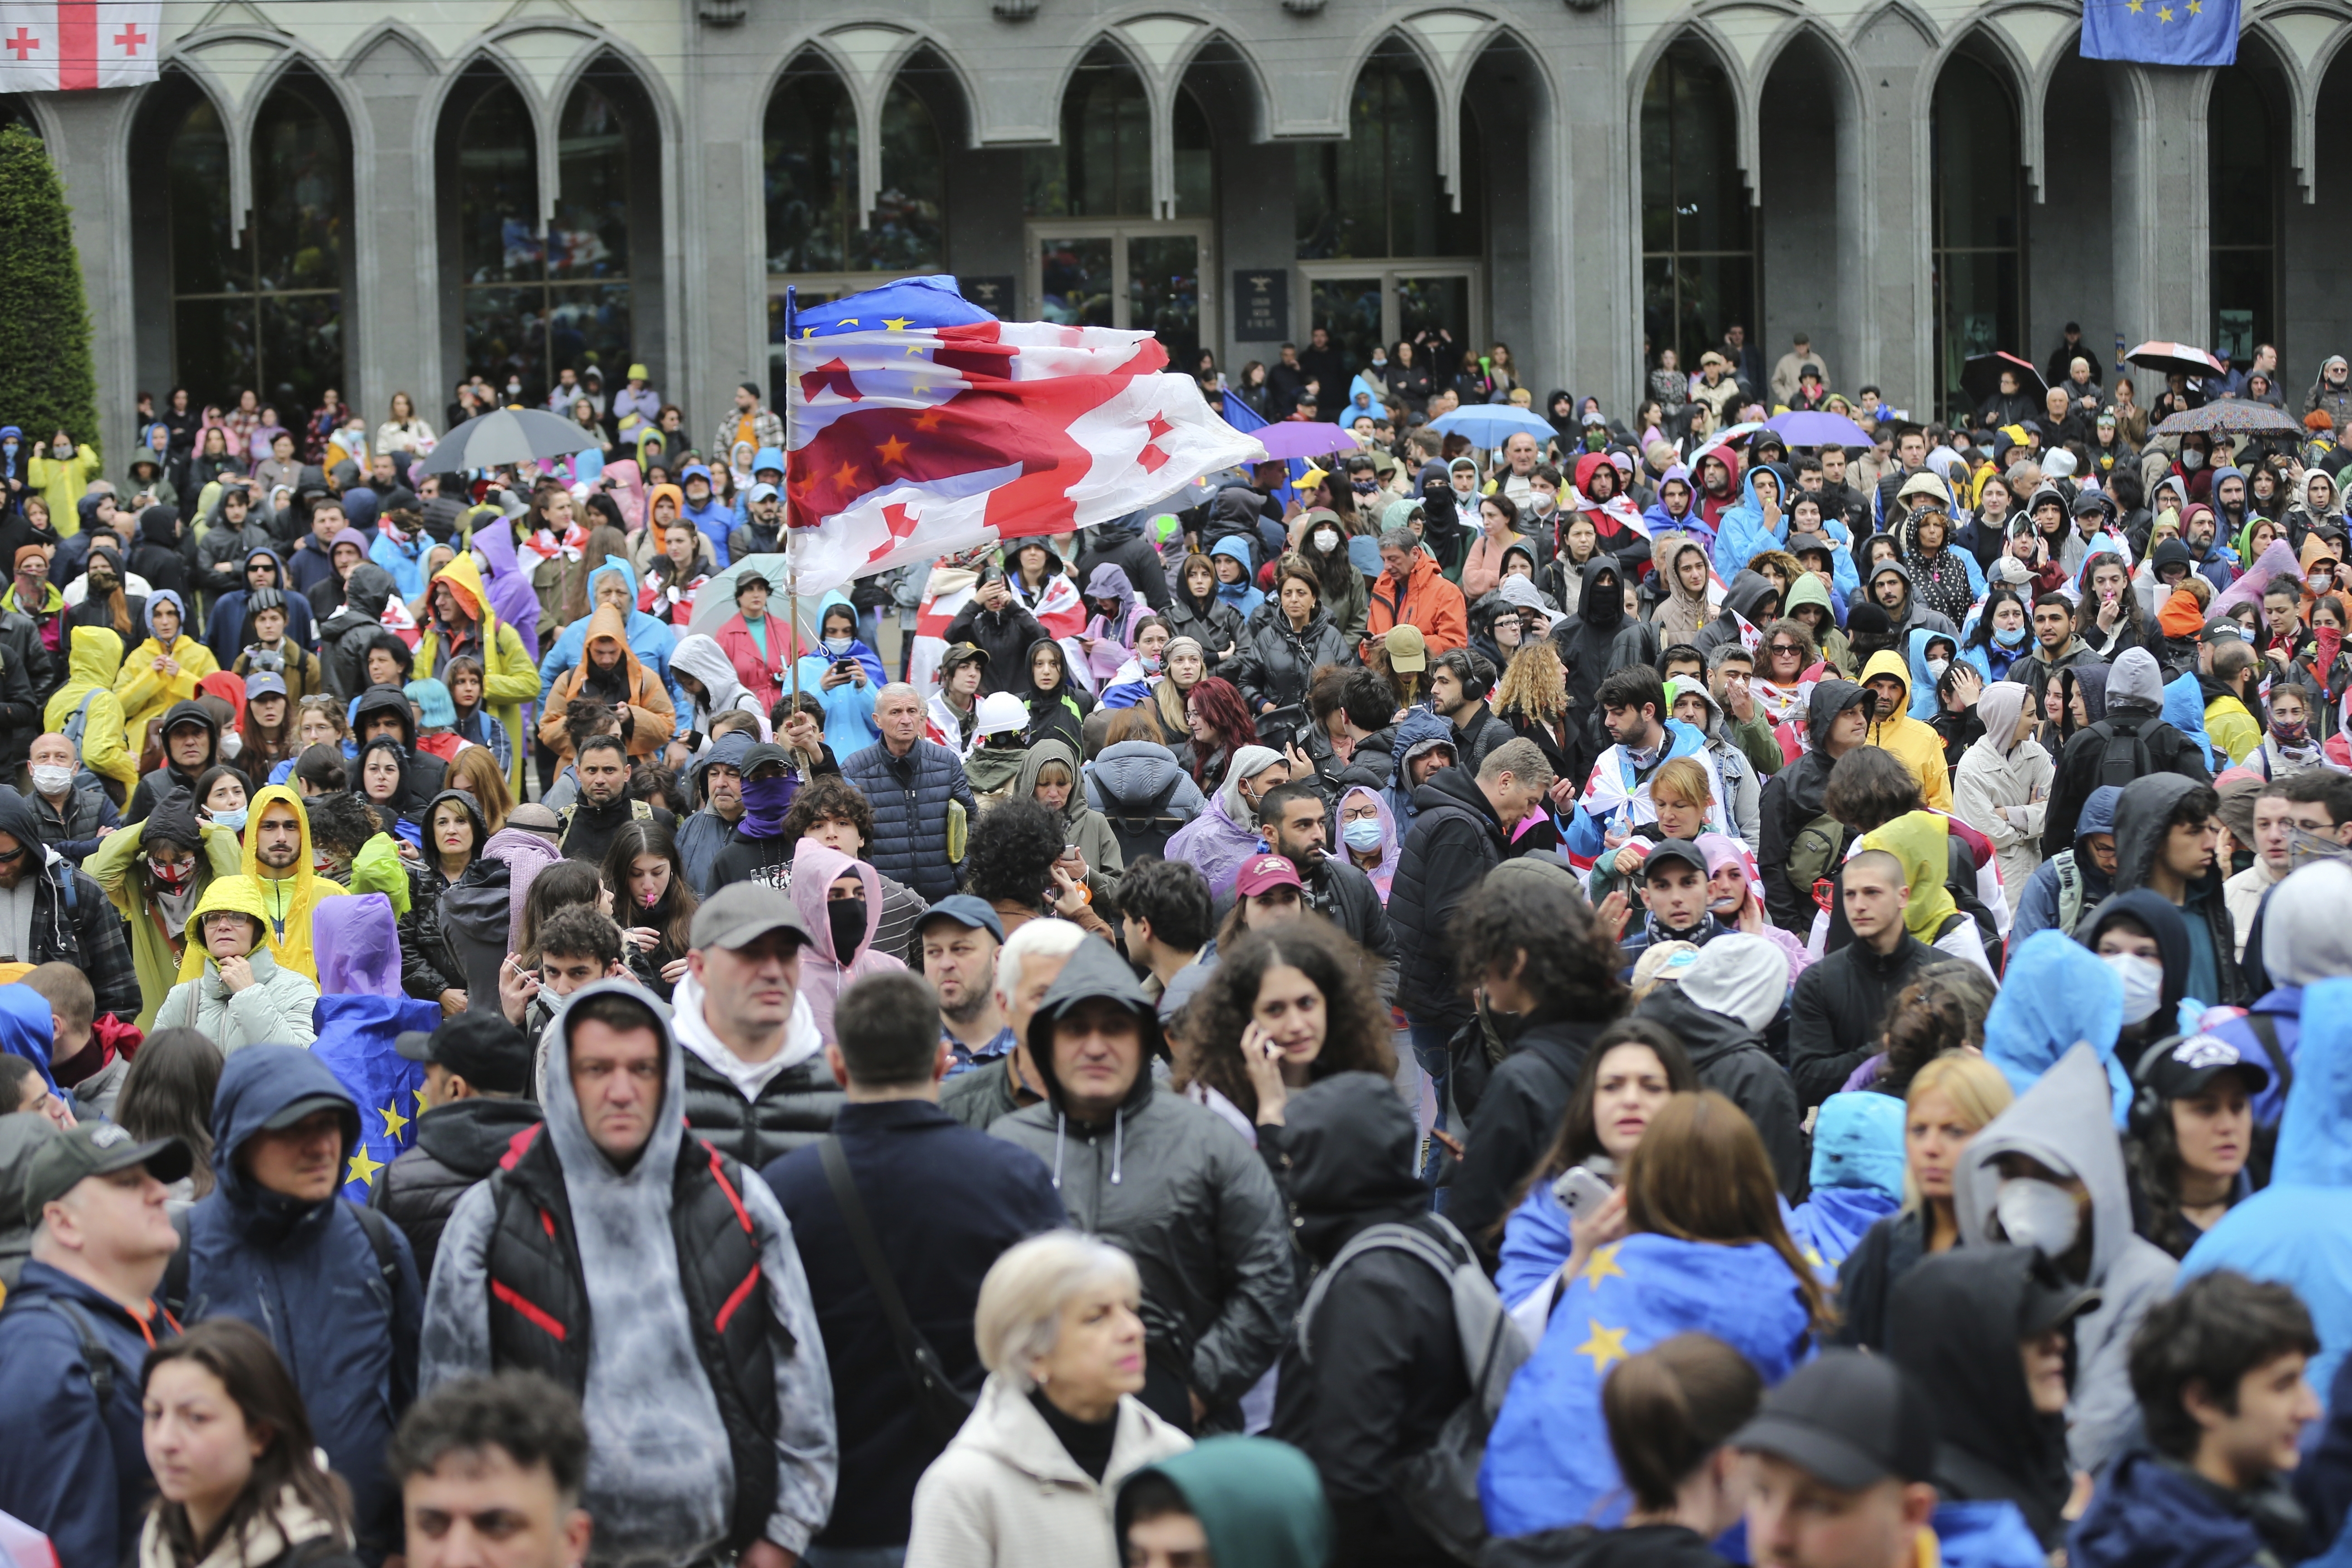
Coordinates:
x,y
1136,276
1362,303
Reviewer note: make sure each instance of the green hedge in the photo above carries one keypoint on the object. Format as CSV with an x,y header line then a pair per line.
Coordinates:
x,y
47,377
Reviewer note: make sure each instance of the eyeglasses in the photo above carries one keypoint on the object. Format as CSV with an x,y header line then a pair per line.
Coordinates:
x,y
12,855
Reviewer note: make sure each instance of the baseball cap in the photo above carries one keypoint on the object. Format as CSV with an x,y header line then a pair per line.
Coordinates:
x,y
742,912
1262,873
764,492
752,580
2182,1066
262,683
481,1048
1848,1419
96,1148
757,756
1680,849
962,654
1408,653
295,1111
694,471
967,910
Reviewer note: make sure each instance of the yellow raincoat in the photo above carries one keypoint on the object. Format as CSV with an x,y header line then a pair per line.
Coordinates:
x,y
288,902
92,667
510,674
61,483
1921,749
114,867
145,694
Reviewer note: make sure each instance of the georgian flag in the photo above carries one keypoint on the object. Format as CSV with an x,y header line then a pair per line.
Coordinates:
x,y
67,46
919,425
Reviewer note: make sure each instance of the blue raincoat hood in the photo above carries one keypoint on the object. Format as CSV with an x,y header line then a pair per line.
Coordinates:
x,y
1418,726
25,1029
360,508
2055,994
257,1083
1923,685
2184,709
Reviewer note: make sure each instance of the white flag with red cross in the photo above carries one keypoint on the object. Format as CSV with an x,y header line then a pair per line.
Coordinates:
x,y
67,45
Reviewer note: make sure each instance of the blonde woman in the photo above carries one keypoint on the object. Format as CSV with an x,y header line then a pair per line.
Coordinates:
x,y
1032,1477
405,431
1950,1101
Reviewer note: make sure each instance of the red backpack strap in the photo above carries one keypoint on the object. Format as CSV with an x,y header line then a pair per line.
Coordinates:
x,y
519,1146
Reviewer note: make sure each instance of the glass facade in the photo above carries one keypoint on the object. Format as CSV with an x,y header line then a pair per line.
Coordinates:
x,y
2245,202
535,304
810,155
1103,167
1378,192
1699,229
262,309
1978,259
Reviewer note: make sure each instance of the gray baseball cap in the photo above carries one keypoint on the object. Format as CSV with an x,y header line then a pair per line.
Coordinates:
x,y
97,1148
742,912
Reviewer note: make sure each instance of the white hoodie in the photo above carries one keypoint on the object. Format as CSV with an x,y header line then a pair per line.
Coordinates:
x,y
693,1031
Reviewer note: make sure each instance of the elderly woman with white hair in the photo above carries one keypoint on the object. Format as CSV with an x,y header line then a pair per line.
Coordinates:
x,y
1031,1478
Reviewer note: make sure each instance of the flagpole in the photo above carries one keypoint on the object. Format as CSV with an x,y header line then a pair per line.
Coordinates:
x,y
791,559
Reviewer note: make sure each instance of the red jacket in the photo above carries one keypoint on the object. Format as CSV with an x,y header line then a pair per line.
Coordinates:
x,y
1428,601
764,676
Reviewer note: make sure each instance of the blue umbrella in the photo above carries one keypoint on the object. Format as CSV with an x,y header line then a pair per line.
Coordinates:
x,y
1490,425
1817,428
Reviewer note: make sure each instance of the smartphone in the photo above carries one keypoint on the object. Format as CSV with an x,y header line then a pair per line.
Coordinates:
x,y
1581,1191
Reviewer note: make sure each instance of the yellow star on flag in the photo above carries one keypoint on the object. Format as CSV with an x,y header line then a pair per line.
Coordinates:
x,y
2164,13
393,1120
363,1169
2135,5
1605,1347
896,324
421,1107
1603,1264
2196,7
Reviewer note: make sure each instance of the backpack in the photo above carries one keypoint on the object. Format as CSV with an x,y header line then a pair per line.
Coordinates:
x,y
639,811
1439,1485
2069,891
2119,764
96,1359
1145,830
1815,855
174,1292
79,725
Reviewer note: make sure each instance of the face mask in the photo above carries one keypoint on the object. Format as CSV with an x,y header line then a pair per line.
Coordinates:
x,y
232,820
1326,539
2036,1214
2192,460
230,745
2285,733
1365,487
1151,662
848,919
174,877
2143,980
768,798
1363,834
52,780
839,646
1935,667
2010,639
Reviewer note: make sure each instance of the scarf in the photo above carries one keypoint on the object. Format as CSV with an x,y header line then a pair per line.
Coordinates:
x,y
383,525
766,801
543,543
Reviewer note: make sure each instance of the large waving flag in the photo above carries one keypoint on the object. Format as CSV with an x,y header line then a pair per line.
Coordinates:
x,y
2161,32
920,425
1548,1463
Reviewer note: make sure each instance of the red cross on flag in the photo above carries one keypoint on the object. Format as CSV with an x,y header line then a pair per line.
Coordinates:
x,y
70,45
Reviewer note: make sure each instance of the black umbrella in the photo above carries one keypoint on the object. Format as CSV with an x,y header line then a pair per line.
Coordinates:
x,y
505,436
2232,415
1980,376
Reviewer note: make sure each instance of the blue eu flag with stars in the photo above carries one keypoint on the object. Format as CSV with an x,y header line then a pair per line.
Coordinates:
x,y
2161,32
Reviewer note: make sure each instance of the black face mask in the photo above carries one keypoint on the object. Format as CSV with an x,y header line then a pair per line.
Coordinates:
x,y
848,919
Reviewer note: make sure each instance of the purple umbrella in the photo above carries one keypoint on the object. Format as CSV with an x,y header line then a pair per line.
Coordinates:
x,y
1817,428
1296,439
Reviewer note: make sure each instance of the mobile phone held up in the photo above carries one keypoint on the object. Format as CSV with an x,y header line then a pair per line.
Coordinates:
x,y
1581,1191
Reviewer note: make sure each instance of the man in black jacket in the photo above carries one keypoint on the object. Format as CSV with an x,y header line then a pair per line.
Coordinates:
x,y
900,1152
1459,682
995,622
1377,1366
1462,825
191,741
757,1086
1527,937
1837,1015
1292,816
477,1097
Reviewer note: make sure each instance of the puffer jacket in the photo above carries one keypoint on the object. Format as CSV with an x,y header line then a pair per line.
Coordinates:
x,y
1276,661
793,1107
457,1144
1177,1187
911,795
430,963
1143,794
307,1275
276,1009
1455,840
1216,628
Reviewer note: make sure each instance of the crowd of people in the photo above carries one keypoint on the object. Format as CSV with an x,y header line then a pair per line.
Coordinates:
x,y
1850,937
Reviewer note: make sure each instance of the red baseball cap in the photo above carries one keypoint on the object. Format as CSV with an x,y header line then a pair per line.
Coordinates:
x,y
1262,873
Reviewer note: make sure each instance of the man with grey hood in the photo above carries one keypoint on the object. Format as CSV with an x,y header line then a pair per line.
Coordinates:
x,y
2048,1172
659,1281
1696,706
1891,589
1166,1179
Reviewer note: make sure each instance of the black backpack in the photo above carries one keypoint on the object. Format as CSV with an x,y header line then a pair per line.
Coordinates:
x,y
2125,755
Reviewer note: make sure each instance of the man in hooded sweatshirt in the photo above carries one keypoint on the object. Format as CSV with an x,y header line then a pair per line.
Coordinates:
x,y
2166,832
1729,994
334,1286
2135,699
756,1082
2048,1172
840,901
1890,589
2069,885
1166,1179
657,1279
1798,841
609,673
1251,1502
1377,1364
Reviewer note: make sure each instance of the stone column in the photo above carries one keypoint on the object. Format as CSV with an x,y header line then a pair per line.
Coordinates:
x,y
2163,281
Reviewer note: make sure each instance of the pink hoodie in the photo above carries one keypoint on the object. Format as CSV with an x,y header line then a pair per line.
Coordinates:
x,y
824,976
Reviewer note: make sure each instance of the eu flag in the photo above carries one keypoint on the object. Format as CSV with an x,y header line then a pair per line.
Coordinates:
x,y
1548,1463
2161,32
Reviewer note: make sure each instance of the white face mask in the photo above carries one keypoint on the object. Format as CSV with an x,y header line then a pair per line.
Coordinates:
x,y
1326,539
51,780
2143,980
2036,1214
1935,667
231,745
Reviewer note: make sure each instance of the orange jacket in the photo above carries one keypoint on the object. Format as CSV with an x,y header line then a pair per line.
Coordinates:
x,y
655,717
1428,602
